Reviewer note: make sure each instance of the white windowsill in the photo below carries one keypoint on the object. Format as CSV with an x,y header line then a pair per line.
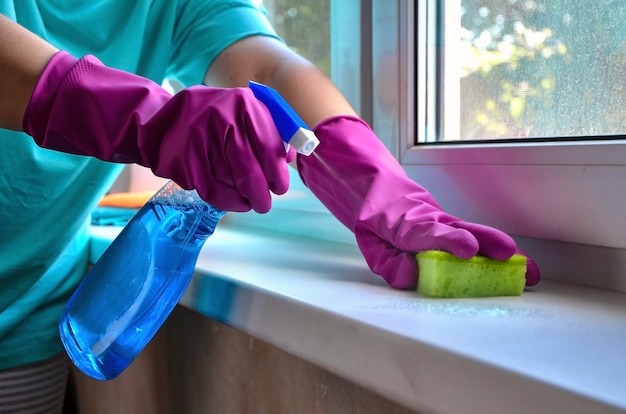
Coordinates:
x,y
557,348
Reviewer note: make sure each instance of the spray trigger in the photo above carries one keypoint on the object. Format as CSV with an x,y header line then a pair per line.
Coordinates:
x,y
291,128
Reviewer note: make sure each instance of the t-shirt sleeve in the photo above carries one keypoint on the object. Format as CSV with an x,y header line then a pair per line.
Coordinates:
x,y
205,28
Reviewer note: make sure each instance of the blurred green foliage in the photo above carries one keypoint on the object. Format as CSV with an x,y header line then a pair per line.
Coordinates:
x,y
529,68
305,26
542,68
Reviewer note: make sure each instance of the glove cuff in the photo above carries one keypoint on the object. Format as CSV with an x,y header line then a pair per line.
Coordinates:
x,y
37,114
335,120
343,166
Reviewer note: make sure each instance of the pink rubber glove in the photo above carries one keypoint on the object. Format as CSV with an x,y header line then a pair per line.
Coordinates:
x,y
392,217
222,142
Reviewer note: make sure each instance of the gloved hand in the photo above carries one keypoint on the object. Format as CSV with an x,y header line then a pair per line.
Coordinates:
x,y
392,217
222,142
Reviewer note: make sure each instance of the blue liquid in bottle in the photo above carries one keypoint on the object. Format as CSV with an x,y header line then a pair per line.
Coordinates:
x,y
135,285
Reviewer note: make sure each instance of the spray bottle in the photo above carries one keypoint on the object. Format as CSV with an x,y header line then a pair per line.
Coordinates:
x,y
132,289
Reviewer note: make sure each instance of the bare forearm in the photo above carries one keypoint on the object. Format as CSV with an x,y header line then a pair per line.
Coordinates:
x,y
23,57
310,92
266,60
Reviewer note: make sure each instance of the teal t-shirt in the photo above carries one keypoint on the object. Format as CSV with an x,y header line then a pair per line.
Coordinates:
x,y
46,197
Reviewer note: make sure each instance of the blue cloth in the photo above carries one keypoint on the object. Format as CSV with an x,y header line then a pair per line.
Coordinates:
x,y
46,196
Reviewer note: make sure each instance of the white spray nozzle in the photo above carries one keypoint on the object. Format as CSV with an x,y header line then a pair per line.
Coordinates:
x,y
291,127
304,141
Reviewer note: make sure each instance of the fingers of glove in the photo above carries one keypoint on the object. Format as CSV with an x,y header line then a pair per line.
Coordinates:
x,y
265,142
224,197
416,236
200,163
290,155
398,268
493,243
249,178
248,151
500,246
533,274
256,173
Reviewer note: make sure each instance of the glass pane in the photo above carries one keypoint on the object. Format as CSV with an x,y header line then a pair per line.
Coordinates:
x,y
305,26
326,32
532,68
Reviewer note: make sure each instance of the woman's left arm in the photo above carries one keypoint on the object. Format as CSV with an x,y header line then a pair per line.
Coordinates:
x,y
266,60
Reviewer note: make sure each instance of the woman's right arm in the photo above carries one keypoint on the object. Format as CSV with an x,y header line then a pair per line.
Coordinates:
x,y
23,56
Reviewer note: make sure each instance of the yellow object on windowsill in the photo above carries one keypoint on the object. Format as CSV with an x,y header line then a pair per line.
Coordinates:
x,y
126,199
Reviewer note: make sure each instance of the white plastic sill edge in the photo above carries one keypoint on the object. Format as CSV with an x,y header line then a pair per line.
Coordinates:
x,y
556,349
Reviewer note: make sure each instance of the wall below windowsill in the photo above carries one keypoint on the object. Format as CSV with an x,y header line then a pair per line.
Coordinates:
x,y
557,348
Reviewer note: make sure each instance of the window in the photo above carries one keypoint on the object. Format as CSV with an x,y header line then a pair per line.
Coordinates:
x,y
556,185
306,27
328,33
562,199
529,68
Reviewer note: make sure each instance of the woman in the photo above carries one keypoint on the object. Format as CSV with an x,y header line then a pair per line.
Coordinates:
x,y
89,114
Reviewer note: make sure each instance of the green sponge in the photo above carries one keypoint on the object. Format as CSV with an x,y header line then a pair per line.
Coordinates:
x,y
446,276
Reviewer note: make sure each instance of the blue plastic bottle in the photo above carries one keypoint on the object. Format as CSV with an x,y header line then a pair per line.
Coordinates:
x,y
135,285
